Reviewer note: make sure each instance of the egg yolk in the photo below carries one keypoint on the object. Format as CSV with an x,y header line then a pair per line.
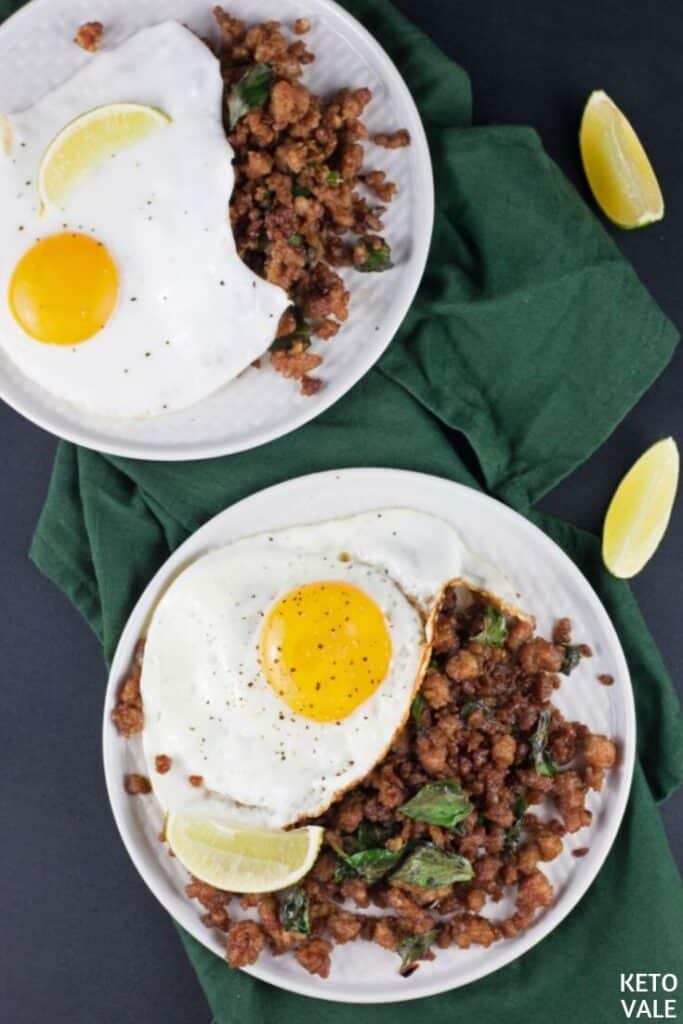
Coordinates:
x,y
325,648
64,288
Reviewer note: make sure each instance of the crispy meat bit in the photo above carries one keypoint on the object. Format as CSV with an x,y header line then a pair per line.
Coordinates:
x,y
89,35
599,752
295,362
392,140
379,186
196,780
137,785
162,763
302,26
245,942
436,689
314,956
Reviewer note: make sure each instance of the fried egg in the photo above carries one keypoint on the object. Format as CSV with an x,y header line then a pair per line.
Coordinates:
x,y
278,669
130,299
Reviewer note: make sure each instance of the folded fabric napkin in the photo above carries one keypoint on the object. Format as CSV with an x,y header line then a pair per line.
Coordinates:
x,y
531,336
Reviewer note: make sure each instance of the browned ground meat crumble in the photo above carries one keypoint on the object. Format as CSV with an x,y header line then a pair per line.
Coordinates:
x,y
137,785
296,209
483,726
89,35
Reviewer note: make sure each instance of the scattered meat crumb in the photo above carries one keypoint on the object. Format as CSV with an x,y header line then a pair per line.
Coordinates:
x,y
392,140
89,36
137,785
606,679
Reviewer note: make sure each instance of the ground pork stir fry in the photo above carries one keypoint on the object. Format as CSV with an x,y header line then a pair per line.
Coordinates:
x,y
297,210
447,822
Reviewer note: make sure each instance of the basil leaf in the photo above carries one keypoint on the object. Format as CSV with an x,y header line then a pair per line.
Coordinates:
x,y
543,763
495,628
334,179
572,657
431,868
301,190
371,834
439,803
413,948
371,865
252,90
294,915
285,341
514,833
475,705
296,240
417,707
377,259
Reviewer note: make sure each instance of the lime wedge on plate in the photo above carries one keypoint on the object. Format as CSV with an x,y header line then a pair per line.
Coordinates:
x,y
639,512
87,140
241,859
616,165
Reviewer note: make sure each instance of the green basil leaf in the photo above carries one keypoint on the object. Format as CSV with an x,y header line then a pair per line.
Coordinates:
x,y
439,803
431,868
495,628
334,179
301,190
285,341
252,90
296,240
475,705
377,260
572,657
294,915
371,865
371,834
543,763
417,707
513,834
414,947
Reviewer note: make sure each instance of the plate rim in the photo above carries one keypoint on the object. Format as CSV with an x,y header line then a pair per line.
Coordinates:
x,y
557,913
45,419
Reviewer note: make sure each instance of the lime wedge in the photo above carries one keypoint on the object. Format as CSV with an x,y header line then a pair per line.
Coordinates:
x,y
616,165
88,140
639,512
241,859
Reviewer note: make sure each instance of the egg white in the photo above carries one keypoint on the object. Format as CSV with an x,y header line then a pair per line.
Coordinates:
x,y
190,314
209,708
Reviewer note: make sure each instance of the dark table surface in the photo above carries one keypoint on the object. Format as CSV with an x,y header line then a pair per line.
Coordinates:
x,y
84,941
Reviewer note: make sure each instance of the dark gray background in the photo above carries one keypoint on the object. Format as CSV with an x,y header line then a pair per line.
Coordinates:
x,y
83,940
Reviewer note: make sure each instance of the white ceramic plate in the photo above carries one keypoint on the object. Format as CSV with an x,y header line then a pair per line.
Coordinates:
x,y
37,52
549,586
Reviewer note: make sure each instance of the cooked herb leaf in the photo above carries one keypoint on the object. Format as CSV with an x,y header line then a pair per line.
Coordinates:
x,y
371,834
430,868
294,915
370,865
474,705
377,259
285,341
416,708
413,948
301,190
543,763
334,178
572,657
514,833
439,803
252,90
495,628
296,240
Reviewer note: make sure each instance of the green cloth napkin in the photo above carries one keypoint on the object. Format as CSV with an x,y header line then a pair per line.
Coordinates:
x,y
532,337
